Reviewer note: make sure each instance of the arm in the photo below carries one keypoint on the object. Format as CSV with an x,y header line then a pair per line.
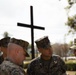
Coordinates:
x,y
62,66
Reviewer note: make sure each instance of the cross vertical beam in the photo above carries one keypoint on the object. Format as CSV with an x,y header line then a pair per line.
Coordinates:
x,y
32,31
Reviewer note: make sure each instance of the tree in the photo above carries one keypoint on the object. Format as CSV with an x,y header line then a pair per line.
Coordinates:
x,y
57,49
72,24
70,2
71,20
6,34
60,49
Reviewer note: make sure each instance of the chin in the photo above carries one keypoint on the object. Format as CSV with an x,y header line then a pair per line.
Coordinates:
x,y
48,55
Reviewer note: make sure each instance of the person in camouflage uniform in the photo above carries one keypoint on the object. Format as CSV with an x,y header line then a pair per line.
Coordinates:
x,y
46,64
73,48
3,48
4,43
1,54
16,54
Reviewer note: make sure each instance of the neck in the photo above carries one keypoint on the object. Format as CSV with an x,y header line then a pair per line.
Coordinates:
x,y
11,59
45,57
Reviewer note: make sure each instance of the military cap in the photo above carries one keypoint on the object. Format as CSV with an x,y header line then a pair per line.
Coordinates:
x,y
43,42
5,41
73,47
22,43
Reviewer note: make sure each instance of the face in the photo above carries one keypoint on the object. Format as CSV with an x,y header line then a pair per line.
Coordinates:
x,y
21,55
46,53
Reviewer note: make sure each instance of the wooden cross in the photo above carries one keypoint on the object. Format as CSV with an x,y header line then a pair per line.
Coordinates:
x,y
32,30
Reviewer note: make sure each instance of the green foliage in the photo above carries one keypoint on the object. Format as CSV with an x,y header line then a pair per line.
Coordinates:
x,y
71,20
71,65
72,24
71,2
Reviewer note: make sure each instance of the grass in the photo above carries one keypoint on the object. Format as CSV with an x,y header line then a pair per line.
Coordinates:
x,y
70,61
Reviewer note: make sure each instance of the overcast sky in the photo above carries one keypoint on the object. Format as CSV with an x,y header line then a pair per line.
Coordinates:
x,y
47,13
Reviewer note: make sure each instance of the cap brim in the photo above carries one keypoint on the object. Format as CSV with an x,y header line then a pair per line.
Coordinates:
x,y
27,55
73,47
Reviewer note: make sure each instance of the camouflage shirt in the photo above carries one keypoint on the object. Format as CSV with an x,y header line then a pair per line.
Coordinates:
x,y
9,68
54,66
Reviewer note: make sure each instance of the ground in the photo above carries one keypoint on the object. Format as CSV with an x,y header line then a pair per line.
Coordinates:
x,y
71,72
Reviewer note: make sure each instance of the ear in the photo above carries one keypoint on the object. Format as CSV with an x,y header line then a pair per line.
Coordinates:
x,y
16,51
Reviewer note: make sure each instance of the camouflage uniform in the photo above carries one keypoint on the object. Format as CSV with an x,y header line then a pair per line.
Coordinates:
x,y
54,66
9,68
1,54
3,43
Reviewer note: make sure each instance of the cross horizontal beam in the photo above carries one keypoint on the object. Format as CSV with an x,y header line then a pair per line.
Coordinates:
x,y
32,27
29,26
